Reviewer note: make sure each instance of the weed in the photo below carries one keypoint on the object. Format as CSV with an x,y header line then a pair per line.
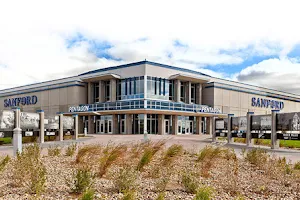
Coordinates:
x,y
257,157
89,194
88,153
54,151
129,195
209,153
110,156
125,180
29,170
161,196
82,180
71,149
172,152
148,154
204,193
190,182
297,165
4,162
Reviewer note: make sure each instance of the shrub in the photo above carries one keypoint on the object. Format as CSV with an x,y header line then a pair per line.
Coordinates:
x,y
82,180
172,152
256,157
4,162
190,182
54,151
161,196
88,153
29,170
89,194
297,165
209,153
110,156
204,193
125,180
129,195
71,149
148,154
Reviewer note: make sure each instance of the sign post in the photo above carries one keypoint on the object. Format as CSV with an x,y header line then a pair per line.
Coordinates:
x,y
274,140
249,140
61,127
42,126
17,136
75,126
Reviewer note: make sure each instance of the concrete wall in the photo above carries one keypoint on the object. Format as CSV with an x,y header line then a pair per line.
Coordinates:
x,y
52,101
239,103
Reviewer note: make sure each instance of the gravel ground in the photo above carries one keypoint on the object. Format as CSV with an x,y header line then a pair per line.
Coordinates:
x,y
229,178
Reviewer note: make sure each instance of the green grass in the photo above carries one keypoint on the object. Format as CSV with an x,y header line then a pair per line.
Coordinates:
x,y
6,140
267,142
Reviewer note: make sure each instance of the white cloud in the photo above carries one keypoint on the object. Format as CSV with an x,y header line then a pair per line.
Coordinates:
x,y
33,34
282,74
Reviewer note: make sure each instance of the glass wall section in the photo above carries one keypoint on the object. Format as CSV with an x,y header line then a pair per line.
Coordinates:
x,y
183,86
152,123
157,88
171,90
138,124
106,90
193,93
96,92
130,88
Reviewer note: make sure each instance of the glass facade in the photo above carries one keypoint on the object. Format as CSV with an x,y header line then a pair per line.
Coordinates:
x,y
96,92
130,88
106,90
157,88
193,93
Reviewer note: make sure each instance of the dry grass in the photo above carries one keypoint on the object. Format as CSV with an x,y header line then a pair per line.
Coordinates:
x,y
54,151
172,152
88,153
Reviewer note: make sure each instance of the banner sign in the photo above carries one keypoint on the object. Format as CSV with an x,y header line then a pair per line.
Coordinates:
x,y
288,126
28,100
29,120
53,122
261,126
221,127
239,127
68,122
79,108
7,120
267,103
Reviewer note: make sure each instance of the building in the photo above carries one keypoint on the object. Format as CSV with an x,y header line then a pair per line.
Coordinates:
x,y
146,96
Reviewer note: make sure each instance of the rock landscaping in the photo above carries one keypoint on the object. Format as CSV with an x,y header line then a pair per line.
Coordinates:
x,y
146,171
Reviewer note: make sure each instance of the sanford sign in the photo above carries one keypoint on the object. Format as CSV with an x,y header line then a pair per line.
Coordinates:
x,y
28,100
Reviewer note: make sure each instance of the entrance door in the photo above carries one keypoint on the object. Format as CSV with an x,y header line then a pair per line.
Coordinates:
x,y
167,126
191,126
202,127
98,126
109,126
179,127
102,128
123,127
86,125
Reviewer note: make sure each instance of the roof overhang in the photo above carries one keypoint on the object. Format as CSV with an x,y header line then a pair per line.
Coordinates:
x,y
194,79
101,77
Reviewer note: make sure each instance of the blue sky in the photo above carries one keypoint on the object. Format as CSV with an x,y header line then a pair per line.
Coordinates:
x,y
214,37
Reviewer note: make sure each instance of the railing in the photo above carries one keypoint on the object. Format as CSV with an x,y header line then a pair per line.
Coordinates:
x,y
140,104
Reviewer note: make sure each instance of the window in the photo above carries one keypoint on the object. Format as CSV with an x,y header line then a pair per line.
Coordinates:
x,y
171,90
193,93
96,92
107,90
182,91
119,89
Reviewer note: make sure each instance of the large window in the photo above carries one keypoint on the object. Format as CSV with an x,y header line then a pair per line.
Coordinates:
x,y
157,88
96,92
183,91
171,90
130,88
107,90
193,93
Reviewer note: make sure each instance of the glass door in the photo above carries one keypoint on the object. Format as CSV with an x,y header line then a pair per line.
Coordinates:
x,y
179,127
167,126
98,126
191,126
102,130
109,126
123,127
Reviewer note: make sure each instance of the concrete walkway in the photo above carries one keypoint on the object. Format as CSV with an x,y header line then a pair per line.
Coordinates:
x,y
190,142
